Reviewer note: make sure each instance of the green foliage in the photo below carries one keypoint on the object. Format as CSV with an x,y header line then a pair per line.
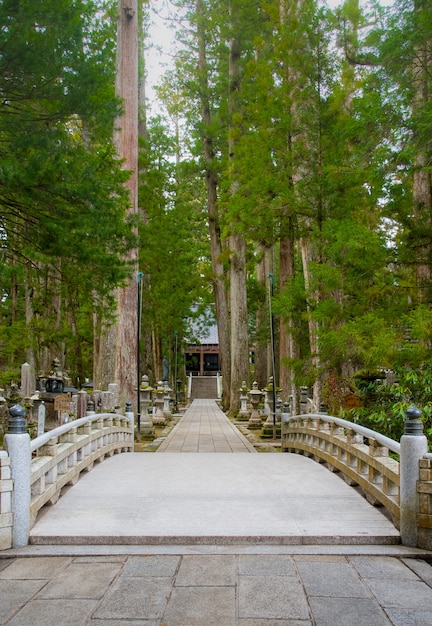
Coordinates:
x,y
62,197
174,247
384,405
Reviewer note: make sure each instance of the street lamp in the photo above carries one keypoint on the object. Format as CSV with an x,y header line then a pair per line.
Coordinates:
x,y
139,312
272,338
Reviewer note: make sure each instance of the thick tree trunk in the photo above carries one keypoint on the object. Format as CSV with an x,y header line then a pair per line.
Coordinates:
x,y
307,258
219,278
288,348
422,179
263,352
116,360
237,244
146,356
239,321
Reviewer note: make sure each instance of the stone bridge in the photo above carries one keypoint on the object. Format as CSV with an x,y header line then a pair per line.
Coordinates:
x,y
222,497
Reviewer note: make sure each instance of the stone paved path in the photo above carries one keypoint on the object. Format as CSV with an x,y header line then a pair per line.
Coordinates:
x,y
205,428
226,589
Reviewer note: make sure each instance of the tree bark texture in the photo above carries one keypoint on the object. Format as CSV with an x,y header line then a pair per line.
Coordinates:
x,y
263,352
116,361
219,278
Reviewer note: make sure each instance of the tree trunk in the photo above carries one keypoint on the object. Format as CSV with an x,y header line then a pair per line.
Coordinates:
x,y
263,352
219,278
237,244
422,180
146,357
288,348
239,321
307,258
116,360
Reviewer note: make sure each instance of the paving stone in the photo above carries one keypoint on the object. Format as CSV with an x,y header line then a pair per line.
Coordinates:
x,y
405,595
15,593
44,567
5,563
347,611
421,568
135,598
326,578
82,580
382,567
54,613
124,622
274,622
272,597
274,565
149,565
114,558
195,606
401,617
207,571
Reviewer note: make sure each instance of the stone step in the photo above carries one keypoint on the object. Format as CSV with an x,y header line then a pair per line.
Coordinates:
x,y
204,387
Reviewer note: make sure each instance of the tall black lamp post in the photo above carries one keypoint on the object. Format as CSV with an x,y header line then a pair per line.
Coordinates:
x,y
272,339
139,312
175,371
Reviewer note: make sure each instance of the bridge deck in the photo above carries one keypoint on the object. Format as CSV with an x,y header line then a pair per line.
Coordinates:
x,y
218,498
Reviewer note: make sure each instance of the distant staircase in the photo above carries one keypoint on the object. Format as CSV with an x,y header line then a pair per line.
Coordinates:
x,y
204,388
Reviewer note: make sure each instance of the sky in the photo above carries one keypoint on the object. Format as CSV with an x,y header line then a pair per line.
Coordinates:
x,y
158,59
160,35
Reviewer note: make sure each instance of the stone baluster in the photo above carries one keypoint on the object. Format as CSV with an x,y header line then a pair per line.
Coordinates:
x,y
17,442
413,446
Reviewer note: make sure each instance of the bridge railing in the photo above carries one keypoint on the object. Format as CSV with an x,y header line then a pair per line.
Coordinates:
x,y
396,475
341,446
39,469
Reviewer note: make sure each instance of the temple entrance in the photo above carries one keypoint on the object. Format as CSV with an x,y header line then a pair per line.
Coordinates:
x,y
202,360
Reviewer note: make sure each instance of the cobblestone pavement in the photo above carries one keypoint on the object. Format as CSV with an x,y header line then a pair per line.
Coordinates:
x,y
221,589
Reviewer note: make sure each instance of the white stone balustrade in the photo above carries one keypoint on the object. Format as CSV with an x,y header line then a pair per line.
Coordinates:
x,y
341,446
6,487
424,514
57,459
62,458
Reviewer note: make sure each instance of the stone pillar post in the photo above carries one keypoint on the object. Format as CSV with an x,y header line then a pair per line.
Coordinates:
x,y
129,414
17,442
413,447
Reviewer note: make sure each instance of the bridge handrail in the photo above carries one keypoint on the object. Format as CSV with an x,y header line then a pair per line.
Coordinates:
x,y
366,466
41,468
391,444
42,440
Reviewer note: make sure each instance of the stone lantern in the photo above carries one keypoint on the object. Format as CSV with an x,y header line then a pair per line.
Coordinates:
x,y
243,414
147,430
255,395
166,403
55,381
159,394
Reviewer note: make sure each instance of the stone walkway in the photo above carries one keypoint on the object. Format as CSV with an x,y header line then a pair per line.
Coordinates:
x,y
205,428
229,588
